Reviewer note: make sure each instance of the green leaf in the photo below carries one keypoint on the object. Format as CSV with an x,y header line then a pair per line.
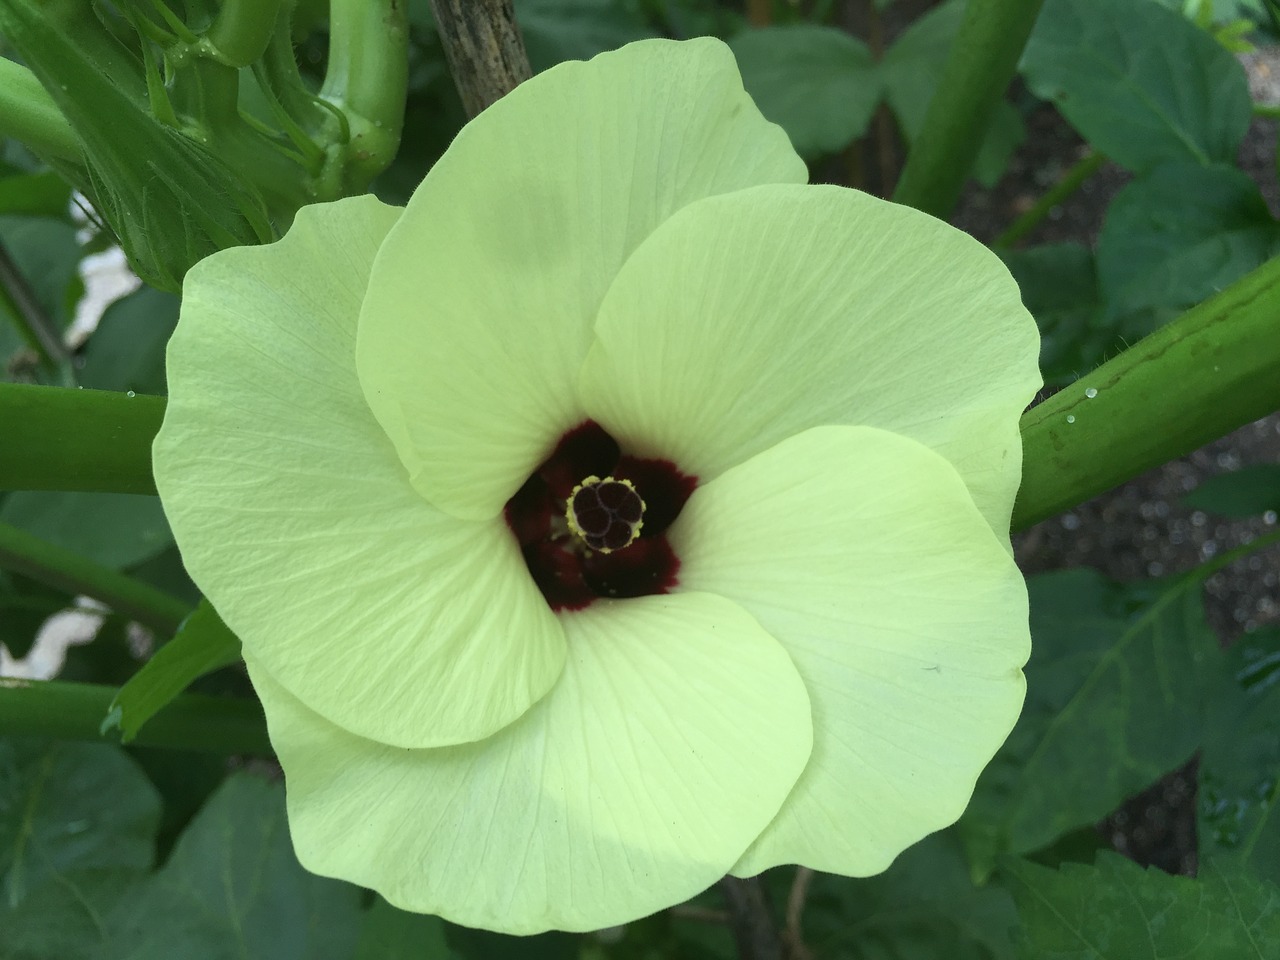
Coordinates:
x,y
1116,910
696,18
67,807
1059,286
24,607
202,644
924,907
65,921
47,255
1140,83
35,195
1238,815
1242,493
1116,697
484,945
912,69
1177,236
557,30
77,821
77,828
817,83
391,934
114,529
233,889
126,351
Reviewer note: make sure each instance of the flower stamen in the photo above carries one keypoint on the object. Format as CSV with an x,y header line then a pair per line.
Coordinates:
x,y
606,515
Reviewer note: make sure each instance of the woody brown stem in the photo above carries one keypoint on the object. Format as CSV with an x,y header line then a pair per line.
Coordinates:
x,y
484,48
750,918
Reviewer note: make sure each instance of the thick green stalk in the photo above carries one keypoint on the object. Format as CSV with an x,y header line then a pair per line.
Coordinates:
x,y
55,438
56,566
367,79
1212,370
979,66
75,711
240,33
28,114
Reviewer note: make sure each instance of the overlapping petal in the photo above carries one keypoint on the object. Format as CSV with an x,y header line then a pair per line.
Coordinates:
x,y
483,298
861,551
381,613
749,317
669,741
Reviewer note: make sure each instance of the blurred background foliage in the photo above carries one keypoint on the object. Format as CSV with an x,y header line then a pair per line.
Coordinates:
x,y
111,851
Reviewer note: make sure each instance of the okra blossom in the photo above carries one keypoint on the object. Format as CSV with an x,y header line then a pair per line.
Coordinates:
x,y
621,513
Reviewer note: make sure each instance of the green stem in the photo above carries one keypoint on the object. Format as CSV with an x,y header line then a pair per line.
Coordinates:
x,y
279,72
1212,370
979,66
54,438
64,569
28,114
367,79
1268,111
240,33
1069,183
75,711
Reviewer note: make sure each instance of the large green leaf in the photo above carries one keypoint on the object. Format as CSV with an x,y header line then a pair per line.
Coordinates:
x,y
1059,286
1239,796
818,83
391,934
233,889
70,815
912,70
70,806
115,529
64,922
1116,910
202,644
126,351
47,255
1117,688
1247,492
1140,83
924,907
35,195
485,945
556,30
1177,236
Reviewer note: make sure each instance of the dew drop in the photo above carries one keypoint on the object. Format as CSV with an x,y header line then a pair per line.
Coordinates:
x,y
1071,418
1091,392
130,394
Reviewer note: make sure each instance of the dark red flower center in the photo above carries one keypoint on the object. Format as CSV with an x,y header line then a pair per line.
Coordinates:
x,y
585,537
